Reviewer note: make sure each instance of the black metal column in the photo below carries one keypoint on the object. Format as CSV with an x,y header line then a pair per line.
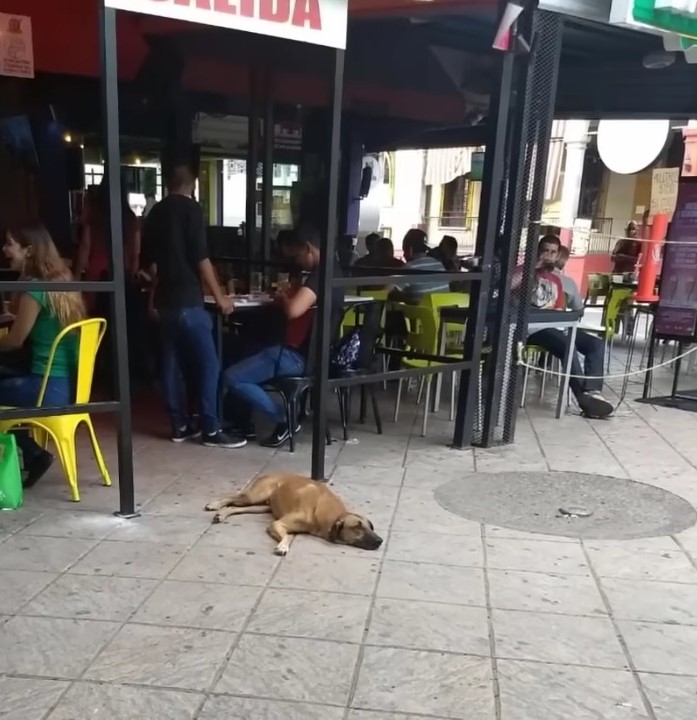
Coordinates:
x,y
112,157
253,147
523,198
324,301
487,231
267,180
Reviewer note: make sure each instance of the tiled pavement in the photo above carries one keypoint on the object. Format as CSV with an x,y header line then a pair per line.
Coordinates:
x,y
168,616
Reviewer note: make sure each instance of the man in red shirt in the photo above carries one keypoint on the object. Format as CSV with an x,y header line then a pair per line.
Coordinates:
x,y
548,294
244,379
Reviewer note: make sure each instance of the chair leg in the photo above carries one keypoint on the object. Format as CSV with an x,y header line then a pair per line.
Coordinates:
x,y
376,409
342,411
329,435
290,421
68,458
543,382
453,380
361,414
349,397
98,453
399,397
526,377
428,397
421,389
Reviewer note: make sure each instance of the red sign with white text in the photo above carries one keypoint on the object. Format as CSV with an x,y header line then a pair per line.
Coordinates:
x,y
322,22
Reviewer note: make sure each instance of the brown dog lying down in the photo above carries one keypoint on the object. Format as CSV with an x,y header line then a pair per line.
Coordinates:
x,y
299,506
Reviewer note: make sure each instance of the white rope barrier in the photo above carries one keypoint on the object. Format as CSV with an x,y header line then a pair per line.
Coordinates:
x,y
556,373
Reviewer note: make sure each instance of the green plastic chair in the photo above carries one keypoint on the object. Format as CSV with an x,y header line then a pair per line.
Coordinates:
x,y
598,285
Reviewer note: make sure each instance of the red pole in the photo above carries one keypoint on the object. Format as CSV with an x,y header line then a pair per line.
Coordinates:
x,y
652,257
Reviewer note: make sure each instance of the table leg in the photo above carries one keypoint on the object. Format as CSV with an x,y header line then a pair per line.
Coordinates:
x,y
439,376
568,357
219,348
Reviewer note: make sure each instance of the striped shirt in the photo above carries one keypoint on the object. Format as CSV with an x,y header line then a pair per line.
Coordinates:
x,y
416,288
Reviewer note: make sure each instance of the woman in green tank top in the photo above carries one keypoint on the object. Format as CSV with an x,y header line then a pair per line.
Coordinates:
x,y
39,317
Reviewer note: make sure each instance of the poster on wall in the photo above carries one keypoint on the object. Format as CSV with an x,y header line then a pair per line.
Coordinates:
x,y
676,315
16,47
664,191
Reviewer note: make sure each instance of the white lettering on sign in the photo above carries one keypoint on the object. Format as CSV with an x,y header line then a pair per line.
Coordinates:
x,y
321,22
16,47
664,190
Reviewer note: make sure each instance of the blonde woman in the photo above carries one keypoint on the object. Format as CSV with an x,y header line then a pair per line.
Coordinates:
x,y
39,317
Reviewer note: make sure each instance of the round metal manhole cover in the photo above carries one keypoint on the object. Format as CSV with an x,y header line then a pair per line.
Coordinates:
x,y
567,503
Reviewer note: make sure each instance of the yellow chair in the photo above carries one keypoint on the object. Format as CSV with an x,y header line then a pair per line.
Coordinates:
x,y
615,311
62,428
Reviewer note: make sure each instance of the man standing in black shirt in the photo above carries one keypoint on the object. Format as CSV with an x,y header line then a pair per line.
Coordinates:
x,y
174,245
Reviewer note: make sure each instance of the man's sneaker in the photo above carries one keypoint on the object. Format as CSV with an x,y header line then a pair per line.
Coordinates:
x,y
180,435
594,405
278,437
223,440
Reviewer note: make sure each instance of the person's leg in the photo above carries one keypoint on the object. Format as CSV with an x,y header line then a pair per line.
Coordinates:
x,y
554,342
245,377
171,377
593,350
23,391
203,365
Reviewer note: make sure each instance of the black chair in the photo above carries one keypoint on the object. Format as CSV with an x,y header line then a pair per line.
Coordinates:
x,y
369,317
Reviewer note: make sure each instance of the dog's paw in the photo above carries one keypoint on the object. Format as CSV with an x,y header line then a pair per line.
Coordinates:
x,y
281,549
217,518
213,505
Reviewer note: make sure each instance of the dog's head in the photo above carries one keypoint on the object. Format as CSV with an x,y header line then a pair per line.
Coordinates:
x,y
352,529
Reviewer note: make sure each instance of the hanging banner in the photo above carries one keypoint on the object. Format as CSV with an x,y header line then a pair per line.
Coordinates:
x,y
321,22
676,315
16,47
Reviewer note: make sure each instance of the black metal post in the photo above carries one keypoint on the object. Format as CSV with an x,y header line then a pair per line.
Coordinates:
x,y
267,181
252,163
219,191
492,183
112,157
324,304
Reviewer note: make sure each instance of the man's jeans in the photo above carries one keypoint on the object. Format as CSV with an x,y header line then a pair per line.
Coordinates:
x,y
244,379
188,352
590,346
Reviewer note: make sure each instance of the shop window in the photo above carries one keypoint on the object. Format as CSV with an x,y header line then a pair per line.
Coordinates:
x,y
453,210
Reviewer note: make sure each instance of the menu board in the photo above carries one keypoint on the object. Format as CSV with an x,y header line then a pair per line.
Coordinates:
x,y
664,190
676,315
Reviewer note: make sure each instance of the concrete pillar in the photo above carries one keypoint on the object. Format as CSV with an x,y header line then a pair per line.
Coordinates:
x,y
575,141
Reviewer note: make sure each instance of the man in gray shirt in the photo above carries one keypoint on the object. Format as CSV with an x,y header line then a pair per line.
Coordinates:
x,y
574,301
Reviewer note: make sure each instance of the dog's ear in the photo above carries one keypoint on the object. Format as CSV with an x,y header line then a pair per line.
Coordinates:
x,y
337,527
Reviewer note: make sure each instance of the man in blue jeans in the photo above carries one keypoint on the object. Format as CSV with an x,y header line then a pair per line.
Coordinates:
x,y
175,248
244,379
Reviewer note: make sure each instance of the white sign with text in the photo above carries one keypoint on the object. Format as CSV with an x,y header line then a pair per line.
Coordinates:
x,y
321,22
16,47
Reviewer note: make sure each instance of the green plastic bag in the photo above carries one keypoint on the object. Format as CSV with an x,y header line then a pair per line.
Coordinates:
x,y
11,494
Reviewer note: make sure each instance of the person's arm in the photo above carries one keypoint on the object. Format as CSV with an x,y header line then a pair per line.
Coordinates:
x,y
27,312
572,291
296,305
206,270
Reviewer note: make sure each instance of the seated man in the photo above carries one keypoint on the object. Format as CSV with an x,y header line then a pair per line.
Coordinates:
x,y
548,293
571,291
415,247
244,379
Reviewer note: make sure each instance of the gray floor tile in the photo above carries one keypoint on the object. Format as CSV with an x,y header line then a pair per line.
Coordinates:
x,y
309,545
672,698
226,565
659,648
434,583
379,715
494,531
435,548
13,520
653,601
429,683
117,702
543,592
629,561
42,554
49,647
74,524
354,575
89,597
200,605
557,639
539,691
243,531
290,669
232,708
163,528
164,657
418,511
536,556
368,475
429,626
20,586
302,613
24,699
130,559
